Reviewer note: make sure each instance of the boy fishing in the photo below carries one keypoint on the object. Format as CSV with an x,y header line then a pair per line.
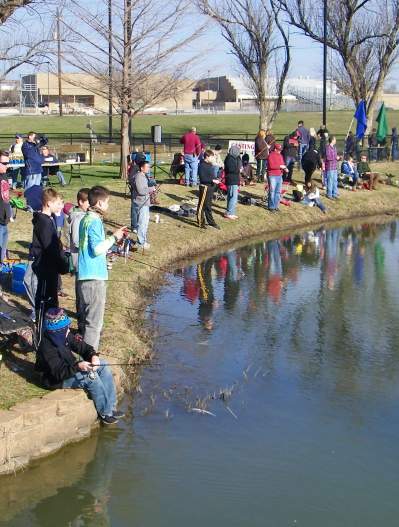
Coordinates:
x,y
92,265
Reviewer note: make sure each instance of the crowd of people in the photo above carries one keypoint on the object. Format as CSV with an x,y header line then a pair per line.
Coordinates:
x,y
308,149
71,238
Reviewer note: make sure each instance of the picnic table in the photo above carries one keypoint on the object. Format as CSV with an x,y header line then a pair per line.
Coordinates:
x,y
71,164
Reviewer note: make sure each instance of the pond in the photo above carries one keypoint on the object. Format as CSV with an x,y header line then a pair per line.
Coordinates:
x,y
272,400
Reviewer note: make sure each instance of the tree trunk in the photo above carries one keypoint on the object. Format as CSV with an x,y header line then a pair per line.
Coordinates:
x,y
264,114
125,143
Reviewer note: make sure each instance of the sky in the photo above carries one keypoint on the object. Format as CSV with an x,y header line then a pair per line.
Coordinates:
x,y
214,53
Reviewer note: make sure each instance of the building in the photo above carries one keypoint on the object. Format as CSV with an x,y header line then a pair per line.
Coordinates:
x,y
81,94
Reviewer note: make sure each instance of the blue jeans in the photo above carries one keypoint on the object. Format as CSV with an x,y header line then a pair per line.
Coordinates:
x,y
101,388
190,169
260,169
60,177
232,198
31,180
290,164
134,216
3,241
274,192
332,183
315,201
302,150
143,221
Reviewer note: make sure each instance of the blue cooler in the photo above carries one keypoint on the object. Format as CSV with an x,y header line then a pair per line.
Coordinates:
x,y
18,273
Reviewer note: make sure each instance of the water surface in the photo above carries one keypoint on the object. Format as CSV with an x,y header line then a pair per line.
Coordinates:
x,y
292,346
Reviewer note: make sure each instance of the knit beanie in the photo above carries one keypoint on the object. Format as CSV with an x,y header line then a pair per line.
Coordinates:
x,y
56,320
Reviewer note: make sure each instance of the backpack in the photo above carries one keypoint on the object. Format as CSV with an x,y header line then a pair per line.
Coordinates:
x,y
5,190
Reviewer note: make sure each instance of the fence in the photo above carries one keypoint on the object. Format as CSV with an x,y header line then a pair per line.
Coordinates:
x,y
98,148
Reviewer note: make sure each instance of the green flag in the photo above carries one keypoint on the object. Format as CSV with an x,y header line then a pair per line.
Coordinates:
x,y
382,129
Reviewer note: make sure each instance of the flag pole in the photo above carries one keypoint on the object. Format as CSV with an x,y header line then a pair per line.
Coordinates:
x,y
350,127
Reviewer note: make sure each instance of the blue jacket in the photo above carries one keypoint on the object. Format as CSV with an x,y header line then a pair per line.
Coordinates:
x,y
33,158
93,247
347,169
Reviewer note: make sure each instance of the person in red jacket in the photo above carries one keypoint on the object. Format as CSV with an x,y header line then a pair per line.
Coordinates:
x,y
275,169
192,149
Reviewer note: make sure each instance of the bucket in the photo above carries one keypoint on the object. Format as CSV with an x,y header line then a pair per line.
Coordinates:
x,y
18,272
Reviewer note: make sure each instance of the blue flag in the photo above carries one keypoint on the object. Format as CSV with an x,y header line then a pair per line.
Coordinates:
x,y
361,117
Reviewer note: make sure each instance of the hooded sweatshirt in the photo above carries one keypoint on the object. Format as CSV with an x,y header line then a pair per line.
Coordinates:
x,y
46,250
33,158
232,166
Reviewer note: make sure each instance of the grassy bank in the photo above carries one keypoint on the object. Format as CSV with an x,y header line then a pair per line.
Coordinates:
x,y
338,123
132,283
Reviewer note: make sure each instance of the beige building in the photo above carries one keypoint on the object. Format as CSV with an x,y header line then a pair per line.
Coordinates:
x,y
81,94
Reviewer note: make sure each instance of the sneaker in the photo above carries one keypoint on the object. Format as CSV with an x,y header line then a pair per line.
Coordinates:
x,y
118,415
230,217
217,227
134,231
108,419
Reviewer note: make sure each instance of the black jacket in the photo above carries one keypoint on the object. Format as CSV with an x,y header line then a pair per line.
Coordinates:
x,y
289,150
58,363
46,251
232,167
207,173
311,160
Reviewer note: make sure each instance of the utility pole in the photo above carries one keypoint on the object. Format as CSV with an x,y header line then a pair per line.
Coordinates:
x,y
59,61
325,63
110,70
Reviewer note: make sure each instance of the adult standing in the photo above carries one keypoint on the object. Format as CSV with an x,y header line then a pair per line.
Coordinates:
x,y
33,160
232,168
191,149
303,136
331,168
310,162
350,144
373,145
207,172
290,151
261,154
275,169
16,152
394,145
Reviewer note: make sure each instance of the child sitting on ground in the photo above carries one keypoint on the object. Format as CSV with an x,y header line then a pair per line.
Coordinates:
x,y
349,170
312,196
247,171
62,369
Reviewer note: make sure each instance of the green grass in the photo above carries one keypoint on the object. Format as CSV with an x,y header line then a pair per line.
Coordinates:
x,y
338,123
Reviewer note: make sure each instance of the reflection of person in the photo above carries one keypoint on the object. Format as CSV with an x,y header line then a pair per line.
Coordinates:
x,y
206,296
274,283
231,282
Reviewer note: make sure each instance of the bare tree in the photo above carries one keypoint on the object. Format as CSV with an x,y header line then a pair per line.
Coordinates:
x,y
260,43
148,36
8,7
363,35
26,37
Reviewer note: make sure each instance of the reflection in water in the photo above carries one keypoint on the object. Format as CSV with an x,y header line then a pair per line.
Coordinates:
x,y
292,344
71,488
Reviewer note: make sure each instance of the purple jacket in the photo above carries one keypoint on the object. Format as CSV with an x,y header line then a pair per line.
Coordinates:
x,y
331,158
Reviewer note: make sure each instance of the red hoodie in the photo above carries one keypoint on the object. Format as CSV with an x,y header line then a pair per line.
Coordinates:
x,y
274,161
192,143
